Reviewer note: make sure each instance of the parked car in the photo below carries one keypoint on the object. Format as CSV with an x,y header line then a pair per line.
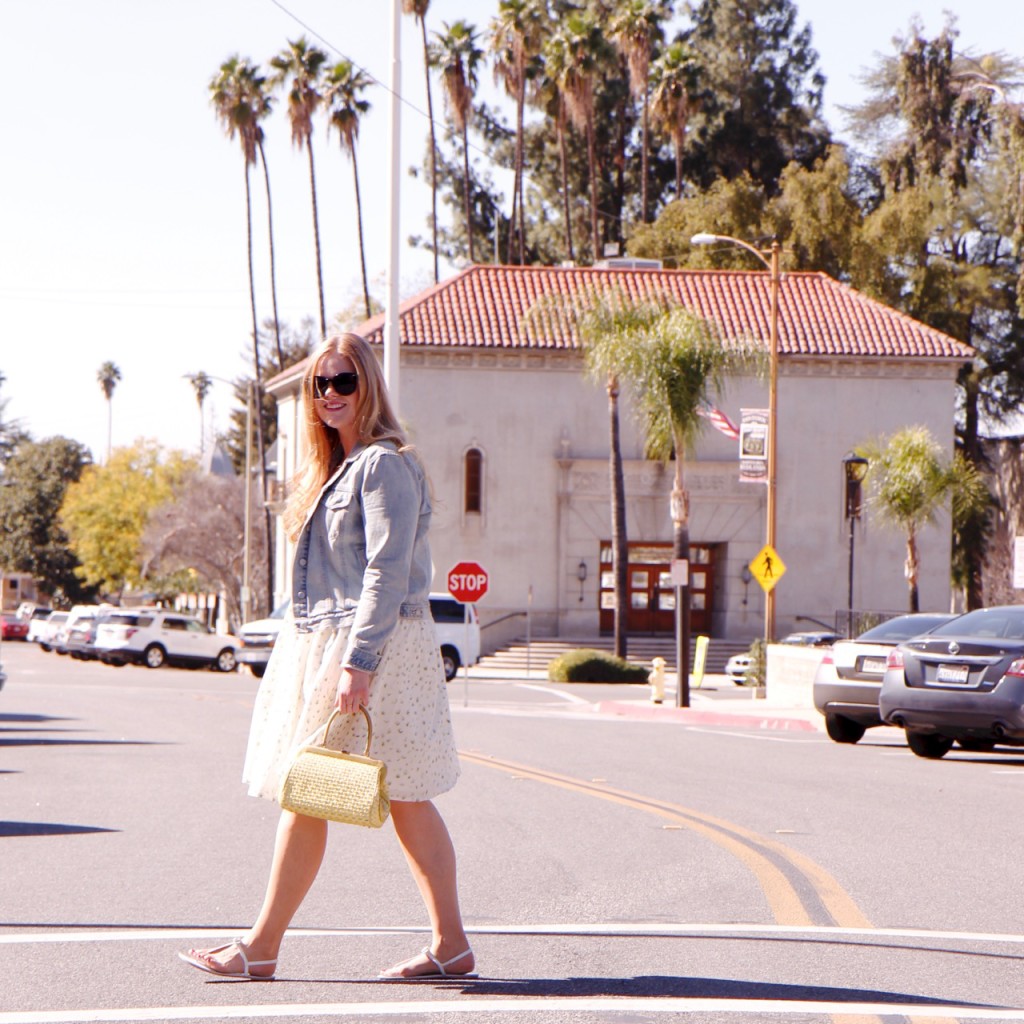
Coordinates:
x,y
812,638
155,636
256,640
37,625
73,635
849,676
49,629
458,632
736,667
962,683
12,628
459,645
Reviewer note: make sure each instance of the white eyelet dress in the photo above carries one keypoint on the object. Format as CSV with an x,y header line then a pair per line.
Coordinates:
x,y
412,727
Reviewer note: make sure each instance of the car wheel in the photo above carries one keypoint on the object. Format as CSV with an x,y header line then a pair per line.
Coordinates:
x,y
154,656
843,730
225,661
450,658
928,744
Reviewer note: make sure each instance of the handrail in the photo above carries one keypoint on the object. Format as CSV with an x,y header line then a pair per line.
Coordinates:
x,y
501,618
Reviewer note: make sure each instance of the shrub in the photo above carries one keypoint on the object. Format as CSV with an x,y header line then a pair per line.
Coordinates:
x,y
757,670
589,666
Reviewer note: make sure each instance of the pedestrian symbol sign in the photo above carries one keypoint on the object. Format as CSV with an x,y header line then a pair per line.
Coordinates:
x,y
767,568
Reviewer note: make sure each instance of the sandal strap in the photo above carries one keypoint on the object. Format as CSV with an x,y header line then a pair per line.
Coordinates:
x,y
441,966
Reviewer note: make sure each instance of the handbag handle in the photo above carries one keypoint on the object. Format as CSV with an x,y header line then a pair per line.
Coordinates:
x,y
369,727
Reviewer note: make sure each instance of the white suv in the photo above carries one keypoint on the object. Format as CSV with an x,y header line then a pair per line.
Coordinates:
x,y
153,636
460,644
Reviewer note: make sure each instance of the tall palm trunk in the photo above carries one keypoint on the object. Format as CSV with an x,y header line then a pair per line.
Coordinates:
x,y
910,570
643,162
680,506
316,236
679,169
567,206
518,186
273,269
433,148
257,370
620,542
592,166
359,223
467,188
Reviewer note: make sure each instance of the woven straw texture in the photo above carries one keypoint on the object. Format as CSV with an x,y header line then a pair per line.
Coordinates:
x,y
338,786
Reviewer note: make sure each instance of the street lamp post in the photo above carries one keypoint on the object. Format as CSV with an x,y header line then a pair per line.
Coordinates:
x,y
770,258
854,469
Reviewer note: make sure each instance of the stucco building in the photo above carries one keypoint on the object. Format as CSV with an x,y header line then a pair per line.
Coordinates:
x,y
515,438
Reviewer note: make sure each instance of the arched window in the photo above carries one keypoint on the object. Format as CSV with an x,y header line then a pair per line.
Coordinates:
x,y
474,480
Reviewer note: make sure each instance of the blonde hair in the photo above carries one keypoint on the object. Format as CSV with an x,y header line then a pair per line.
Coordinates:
x,y
375,421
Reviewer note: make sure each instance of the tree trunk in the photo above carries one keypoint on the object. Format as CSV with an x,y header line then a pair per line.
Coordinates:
x,y
316,237
620,543
466,190
567,206
974,596
643,164
359,223
679,169
433,147
910,570
519,163
273,271
592,166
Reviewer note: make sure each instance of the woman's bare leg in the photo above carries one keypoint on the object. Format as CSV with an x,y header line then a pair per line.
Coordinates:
x,y
298,853
428,848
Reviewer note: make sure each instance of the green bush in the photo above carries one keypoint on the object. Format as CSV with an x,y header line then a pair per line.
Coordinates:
x,y
589,666
757,670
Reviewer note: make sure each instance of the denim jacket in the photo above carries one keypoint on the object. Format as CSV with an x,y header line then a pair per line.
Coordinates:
x,y
362,558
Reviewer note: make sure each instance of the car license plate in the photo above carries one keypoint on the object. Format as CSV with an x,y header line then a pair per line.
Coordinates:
x,y
955,674
876,666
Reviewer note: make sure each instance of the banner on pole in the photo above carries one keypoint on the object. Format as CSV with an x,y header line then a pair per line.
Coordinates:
x,y
754,446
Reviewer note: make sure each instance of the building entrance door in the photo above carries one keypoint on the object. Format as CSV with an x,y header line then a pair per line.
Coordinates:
x,y
652,598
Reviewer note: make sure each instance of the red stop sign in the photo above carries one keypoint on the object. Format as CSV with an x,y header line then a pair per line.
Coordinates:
x,y
467,582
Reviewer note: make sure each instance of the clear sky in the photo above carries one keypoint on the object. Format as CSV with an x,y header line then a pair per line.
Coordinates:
x,y
122,232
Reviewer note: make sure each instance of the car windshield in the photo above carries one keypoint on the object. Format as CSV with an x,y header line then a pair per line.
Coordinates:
x,y
904,627
1002,623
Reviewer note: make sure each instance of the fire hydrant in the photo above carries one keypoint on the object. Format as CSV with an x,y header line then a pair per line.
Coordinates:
x,y
656,678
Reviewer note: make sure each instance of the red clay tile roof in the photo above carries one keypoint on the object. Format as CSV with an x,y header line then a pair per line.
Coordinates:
x,y
485,307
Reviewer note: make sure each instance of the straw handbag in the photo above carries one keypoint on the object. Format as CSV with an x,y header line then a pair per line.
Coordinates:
x,y
337,785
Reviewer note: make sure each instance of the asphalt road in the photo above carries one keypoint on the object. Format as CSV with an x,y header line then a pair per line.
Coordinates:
x,y
613,868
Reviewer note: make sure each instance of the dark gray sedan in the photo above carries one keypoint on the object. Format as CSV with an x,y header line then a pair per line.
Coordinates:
x,y
962,683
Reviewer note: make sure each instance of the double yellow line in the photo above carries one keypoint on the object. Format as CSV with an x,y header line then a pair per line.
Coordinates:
x,y
761,856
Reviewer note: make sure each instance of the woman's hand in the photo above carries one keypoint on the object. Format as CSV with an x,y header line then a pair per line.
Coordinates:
x,y
353,690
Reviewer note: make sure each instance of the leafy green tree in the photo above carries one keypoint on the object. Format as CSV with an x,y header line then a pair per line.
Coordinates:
x,y
674,99
909,483
760,92
105,512
36,478
342,93
108,375
12,433
299,71
457,56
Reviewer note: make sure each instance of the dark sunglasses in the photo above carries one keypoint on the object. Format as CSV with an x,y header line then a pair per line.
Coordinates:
x,y
343,384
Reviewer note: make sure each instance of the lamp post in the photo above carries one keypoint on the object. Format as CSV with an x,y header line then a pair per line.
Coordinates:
x,y
770,258
854,469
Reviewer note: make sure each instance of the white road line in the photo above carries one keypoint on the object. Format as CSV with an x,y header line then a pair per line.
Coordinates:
x,y
572,698
759,1008
606,929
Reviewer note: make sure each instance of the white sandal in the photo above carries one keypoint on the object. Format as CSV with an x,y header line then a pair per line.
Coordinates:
x,y
192,958
440,971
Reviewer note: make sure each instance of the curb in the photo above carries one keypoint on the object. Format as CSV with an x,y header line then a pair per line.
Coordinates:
x,y
782,720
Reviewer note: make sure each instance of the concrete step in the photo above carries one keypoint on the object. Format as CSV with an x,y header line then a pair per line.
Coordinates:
x,y
640,649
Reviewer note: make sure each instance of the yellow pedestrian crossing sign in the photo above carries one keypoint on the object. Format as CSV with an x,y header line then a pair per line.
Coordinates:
x,y
767,568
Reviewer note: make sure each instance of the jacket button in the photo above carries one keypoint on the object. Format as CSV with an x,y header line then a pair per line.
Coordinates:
x,y
303,561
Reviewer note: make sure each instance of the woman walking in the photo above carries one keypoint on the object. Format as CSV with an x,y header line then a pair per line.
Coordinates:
x,y
360,632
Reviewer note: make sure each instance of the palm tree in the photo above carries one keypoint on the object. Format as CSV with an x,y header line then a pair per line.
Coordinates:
x,y
909,482
298,69
456,54
516,35
201,383
636,30
344,84
573,57
673,99
108,375
418,8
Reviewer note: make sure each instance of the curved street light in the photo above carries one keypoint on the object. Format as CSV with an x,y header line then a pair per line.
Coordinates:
x,y
770,258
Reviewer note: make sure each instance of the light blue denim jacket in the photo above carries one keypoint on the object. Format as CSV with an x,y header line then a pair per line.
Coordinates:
x,y
362,558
